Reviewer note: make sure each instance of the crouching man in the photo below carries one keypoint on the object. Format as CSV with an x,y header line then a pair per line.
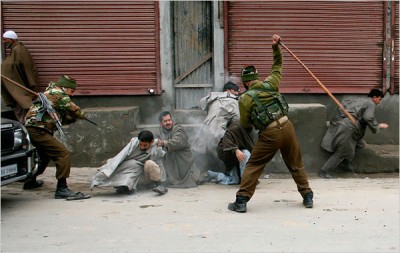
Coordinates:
x,y
123,172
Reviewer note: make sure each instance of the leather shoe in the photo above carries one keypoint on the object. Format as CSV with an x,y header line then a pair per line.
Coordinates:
x,y
63,193
160,189
32,184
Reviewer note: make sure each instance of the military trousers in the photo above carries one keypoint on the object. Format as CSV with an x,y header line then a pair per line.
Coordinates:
x,y
50,149
280,137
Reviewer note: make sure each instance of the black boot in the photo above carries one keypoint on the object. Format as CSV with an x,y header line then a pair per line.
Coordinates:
x,y
32,183
308,200
159,188
239,205
62,191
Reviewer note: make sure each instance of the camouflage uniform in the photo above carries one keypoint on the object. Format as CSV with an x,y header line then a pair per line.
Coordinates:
x,y
41,127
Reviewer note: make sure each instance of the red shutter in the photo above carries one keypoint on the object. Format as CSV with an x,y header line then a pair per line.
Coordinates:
x,y
340,42
109,47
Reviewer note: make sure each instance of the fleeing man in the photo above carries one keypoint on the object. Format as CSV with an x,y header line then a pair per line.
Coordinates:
x,y
343,139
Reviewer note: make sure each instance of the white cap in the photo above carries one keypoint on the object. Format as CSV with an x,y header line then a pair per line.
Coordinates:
x,y
10,35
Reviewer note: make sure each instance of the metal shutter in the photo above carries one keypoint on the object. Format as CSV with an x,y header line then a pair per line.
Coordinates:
x,y
109,47
340,42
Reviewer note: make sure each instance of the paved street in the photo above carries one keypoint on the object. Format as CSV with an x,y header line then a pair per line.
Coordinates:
x,y
351,214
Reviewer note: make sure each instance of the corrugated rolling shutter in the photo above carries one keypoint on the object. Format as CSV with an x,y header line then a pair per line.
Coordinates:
x,y
109,47
340,42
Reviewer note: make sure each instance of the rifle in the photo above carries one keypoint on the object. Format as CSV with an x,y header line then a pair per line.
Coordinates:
x,y
47,105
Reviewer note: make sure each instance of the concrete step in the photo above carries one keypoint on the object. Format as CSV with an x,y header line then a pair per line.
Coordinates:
x,y
91,145
377,159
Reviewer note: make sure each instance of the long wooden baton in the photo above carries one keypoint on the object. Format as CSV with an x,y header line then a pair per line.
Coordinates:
x,y
320,84
36,94
20,85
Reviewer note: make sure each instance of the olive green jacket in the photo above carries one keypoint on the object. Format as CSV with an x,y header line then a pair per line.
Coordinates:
x,y
269,86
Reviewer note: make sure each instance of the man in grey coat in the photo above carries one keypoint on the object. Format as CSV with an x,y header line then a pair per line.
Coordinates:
x,y
178,161
140,157
343,138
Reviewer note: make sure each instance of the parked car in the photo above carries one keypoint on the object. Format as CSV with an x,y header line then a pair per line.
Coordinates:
x,y
19,159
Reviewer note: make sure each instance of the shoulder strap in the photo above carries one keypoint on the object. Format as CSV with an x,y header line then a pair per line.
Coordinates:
x,y
267,87
253,94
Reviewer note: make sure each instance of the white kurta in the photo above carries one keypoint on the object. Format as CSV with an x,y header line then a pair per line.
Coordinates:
x,y
126,168
221,108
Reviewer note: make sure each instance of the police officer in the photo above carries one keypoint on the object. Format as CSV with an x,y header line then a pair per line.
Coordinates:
x,y
263,107
41,127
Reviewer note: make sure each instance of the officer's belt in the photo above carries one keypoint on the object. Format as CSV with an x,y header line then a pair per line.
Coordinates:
x,y
280,121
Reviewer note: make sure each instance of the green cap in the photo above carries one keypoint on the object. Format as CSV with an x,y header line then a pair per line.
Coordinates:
x,y
67,82
249,73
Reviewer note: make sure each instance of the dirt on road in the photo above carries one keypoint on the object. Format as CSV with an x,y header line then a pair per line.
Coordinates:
x,y
355,213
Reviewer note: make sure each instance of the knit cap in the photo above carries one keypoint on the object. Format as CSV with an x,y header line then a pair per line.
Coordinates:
x,y
67,82
249,73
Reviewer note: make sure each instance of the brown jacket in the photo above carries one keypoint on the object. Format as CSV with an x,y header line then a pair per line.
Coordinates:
x,y
20,67
235,137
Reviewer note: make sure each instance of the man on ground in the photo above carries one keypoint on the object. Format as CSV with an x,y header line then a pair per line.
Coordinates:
x,y
234,150
178,160
140,157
